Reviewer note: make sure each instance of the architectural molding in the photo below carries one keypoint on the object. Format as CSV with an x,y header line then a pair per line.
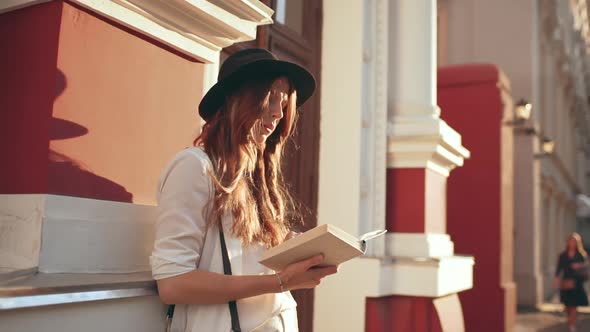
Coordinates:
x,y
197,28
418,245
374,119
62,234
424,142
426,277
10,5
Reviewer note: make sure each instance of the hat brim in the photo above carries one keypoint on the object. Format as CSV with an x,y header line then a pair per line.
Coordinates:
x,y
302,79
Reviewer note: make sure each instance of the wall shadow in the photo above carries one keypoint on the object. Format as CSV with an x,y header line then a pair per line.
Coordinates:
x,y
67,176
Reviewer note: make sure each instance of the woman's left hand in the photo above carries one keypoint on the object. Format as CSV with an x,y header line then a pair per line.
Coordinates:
x,y
577,266
291,235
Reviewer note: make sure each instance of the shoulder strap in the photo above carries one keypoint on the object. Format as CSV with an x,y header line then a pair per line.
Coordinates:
x,y
233,307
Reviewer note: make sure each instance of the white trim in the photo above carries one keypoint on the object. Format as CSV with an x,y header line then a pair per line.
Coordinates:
x,y
76,235
428,278
210,76
373,124
196,28
424,142
418,245
10,5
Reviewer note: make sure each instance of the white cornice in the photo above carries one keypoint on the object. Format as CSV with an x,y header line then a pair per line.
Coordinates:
x,y
197,28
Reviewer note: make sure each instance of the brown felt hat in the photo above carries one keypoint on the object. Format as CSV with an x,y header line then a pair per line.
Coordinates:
x,y
254,63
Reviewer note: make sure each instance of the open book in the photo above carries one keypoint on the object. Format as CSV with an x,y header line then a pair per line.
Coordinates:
x,y
336,245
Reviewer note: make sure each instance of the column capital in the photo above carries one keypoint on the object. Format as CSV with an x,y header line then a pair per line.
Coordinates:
x,y
424,141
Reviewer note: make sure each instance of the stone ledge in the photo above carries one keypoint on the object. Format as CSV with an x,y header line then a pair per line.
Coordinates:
x,y
62,234
44,289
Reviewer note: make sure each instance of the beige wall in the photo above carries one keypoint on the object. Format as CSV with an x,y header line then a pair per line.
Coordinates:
x,y
340,300
496,31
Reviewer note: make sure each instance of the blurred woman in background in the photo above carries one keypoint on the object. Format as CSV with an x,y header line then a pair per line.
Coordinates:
x,y
570,275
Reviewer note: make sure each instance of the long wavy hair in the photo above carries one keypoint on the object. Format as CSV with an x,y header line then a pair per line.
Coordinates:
x,y
247,175
579,244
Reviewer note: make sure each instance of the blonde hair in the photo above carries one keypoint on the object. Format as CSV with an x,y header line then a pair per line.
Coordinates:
x,y
579,244
247,176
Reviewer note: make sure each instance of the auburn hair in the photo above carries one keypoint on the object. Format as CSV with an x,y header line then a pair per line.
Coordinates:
x,y
247,177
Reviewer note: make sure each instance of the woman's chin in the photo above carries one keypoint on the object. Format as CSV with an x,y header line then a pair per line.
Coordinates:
x,y
260,139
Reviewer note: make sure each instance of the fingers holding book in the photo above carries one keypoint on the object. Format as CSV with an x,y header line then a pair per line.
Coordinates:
x,y
305,274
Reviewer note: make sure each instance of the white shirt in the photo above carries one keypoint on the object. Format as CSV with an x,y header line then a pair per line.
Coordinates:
x,y
184,242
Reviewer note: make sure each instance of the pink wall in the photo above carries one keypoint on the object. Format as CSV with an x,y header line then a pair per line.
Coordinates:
x,y
96,110
471,103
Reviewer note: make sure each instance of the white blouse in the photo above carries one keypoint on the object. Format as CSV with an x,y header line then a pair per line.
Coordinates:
x,y
184,242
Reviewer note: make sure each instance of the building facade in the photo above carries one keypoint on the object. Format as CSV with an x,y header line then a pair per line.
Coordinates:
x,y
542,48
101,94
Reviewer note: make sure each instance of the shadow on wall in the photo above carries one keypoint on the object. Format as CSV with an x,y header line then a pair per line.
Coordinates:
x,y
67,176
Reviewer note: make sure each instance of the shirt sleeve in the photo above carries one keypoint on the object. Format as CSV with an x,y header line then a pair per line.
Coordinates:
x,y
184,190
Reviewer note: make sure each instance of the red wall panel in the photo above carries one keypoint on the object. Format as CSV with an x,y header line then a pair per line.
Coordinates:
x,y
471,103
405,200
28,81
401,313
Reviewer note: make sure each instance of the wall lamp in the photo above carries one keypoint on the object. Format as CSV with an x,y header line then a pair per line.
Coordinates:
x,y
522,111
521,114
547,148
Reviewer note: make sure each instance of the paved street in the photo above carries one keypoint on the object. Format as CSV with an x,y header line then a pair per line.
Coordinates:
x,y
550,318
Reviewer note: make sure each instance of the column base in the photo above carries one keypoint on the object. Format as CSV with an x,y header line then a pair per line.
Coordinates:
x,y
426,277
417,314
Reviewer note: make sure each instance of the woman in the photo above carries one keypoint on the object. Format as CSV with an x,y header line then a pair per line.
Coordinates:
x,y
231,180
572,266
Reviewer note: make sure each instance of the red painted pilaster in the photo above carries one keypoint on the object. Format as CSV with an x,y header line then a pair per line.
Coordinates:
x,y
476,102
29,40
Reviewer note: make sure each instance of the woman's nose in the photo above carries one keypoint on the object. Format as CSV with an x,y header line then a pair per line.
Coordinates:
x,y
276,111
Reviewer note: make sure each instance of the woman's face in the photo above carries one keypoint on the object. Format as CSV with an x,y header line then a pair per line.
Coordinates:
x,y
272,115
572,244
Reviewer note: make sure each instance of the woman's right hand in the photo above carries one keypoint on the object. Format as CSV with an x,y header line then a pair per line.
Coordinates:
x,y
304,274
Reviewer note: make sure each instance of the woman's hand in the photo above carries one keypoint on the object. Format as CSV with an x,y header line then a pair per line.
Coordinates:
x,y
291,235
577,266
303,275
556,283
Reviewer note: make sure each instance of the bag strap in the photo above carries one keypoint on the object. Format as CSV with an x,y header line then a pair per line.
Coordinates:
x,y
233,307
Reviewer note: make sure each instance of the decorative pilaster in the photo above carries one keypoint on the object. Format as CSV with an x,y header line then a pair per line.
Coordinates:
x,y
421,151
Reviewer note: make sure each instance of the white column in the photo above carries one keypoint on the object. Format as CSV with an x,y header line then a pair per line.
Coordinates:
x,y
412,66
413,115
418,138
